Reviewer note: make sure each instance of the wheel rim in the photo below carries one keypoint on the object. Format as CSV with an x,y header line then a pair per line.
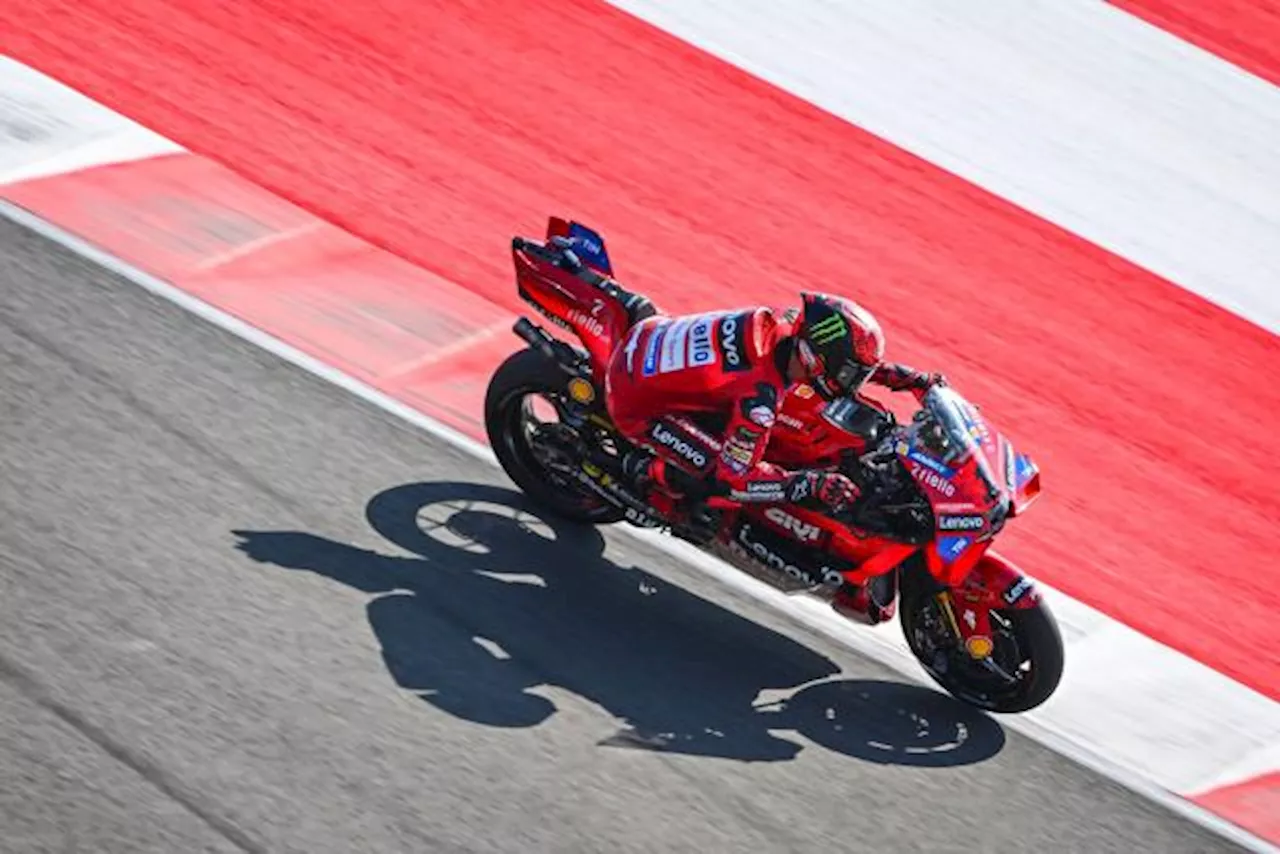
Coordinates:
x,y
522,432
962,675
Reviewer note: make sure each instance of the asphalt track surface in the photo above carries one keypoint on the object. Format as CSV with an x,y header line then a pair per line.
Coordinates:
x,y
241,610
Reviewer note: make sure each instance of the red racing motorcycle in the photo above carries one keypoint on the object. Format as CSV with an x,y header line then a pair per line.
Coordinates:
x,y
935,491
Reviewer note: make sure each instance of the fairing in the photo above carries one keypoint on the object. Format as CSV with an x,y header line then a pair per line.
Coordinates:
x,y
569,301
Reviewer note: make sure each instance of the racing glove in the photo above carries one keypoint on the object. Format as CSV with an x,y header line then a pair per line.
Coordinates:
x,y
896,376
831,488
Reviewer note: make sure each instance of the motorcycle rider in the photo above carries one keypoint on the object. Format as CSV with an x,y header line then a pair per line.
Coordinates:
x,y
735,367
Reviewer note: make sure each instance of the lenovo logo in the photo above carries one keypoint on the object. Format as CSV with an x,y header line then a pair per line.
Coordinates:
x,y
682,447
960,523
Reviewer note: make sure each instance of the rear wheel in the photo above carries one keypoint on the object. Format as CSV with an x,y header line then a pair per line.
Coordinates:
x,y
526,388
1022,671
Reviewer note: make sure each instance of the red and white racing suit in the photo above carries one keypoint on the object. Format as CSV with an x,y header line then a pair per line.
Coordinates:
x,y
729,363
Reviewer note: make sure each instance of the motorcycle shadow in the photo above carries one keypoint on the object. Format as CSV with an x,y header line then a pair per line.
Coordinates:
x,y
499,602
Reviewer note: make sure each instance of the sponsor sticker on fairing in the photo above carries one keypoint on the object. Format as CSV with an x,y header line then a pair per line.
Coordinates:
x,y
1017,590
587,322
960,523
801,530
932,479
950,548
924,459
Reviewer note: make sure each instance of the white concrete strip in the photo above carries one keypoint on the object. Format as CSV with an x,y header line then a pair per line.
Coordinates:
x,y
1076,111
1054,725
47,128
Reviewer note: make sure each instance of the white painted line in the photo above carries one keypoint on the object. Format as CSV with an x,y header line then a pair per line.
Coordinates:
x,y
879,645
275,238
453,348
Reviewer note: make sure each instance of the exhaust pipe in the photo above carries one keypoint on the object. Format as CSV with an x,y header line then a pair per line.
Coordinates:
x,y
557,351
535,337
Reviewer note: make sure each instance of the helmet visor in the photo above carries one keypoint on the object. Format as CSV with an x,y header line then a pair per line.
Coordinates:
x,y
851,375
844,380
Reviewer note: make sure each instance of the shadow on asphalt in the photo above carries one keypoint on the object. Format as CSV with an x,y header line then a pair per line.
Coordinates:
x,y
501,600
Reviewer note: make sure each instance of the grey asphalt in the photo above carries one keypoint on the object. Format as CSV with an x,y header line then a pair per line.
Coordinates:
x,y
241,610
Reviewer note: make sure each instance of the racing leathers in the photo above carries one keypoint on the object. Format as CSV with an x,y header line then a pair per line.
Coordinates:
x,y
731,366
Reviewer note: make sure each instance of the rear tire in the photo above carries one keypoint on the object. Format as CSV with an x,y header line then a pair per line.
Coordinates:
x,y
1023,637
524,374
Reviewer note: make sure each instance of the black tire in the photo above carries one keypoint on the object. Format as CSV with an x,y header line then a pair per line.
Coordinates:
x,y
1031,634
524,373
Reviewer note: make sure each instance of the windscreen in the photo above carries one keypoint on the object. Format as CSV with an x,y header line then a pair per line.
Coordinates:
x,y
954,438
951,440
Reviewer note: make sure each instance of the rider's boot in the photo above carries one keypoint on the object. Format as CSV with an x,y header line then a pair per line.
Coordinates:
x,y
648,474
664,488
638,306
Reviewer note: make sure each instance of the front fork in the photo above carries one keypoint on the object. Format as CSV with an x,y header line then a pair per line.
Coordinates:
x,y
970,623
994,583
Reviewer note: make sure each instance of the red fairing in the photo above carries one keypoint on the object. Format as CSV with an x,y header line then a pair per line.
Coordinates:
x,y
953,572
1028,489
1001,584
803,438
598,320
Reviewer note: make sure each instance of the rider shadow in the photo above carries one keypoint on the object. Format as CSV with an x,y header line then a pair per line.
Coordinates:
x,y
501,600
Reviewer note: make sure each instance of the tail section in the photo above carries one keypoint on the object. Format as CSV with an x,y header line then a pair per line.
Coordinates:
x,y
570,296
586,243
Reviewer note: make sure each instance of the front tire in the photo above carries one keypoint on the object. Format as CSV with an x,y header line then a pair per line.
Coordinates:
x,y
510,423
1028,644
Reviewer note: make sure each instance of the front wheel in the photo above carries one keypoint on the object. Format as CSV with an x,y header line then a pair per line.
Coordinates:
x,y
1028,654
525,387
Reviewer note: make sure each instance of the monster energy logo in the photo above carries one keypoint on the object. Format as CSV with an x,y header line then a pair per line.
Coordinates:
x,y
828,329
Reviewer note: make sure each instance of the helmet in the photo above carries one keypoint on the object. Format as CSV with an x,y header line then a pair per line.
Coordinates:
x,y
839,344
